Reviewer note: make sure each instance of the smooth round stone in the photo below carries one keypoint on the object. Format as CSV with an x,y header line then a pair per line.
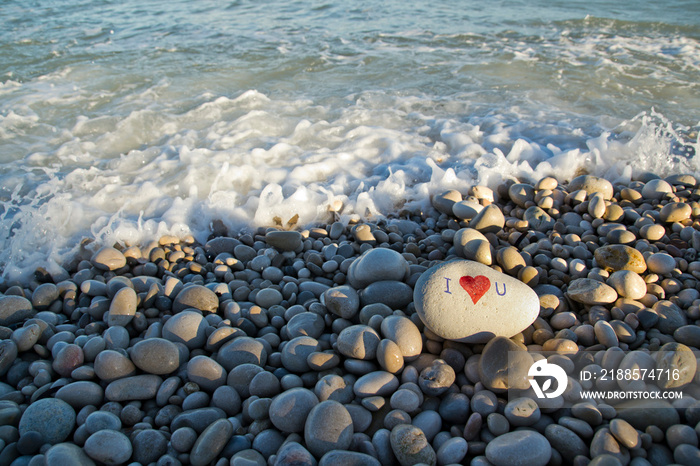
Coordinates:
x,y
306,324
680,434
197,297
389,356
405,400
605,334
519,447
111,365
344,457
328,427
241,376
188,328
100,420
155,355
538,219
679,361
394,294
592,184
26,337
675,212
565,441
521,193
437,378
402,331
656,189
268,297
109,447
661,263
149,445
108,258
466,210
284,240
489,220
464,237
334,387
242,350
122,308
81,393
604,443
504,364
296,352
469,302
628,284
68,359
198,419
591,292
293,453
211,442
378,383
116,338
624,433
671,317
227,399
44,295
67,454
452,451
137,387
342,301
686,455
652,232
620,257
522,412
15,309
688,335
323,361
410,446
376,265
206,372
51,417
454,408
444,202
359,342
289,409
183,439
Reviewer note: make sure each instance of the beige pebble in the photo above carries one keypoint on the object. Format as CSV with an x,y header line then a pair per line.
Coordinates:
x,y
588,291
483,193
652,232
389,356
547,182
521,194
510,259
479,251
489,220
561,346
675,212
596,205
628,284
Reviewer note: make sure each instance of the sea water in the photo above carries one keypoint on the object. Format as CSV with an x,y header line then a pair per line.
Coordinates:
x,y
124,120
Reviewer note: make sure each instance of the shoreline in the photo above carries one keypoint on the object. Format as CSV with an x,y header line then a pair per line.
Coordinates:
x,y
126,354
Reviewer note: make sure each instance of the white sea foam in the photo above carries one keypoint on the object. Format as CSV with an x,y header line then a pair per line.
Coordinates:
x,y
254,160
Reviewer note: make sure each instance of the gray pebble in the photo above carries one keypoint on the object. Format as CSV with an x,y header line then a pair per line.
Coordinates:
x,y
328,427
519,447
109,447
289,409
51,417
211,442
410,445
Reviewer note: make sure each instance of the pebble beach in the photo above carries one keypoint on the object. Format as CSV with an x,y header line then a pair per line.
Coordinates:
x,y
294,345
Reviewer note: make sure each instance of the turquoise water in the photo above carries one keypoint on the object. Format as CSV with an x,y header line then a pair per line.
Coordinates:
x,y
121,121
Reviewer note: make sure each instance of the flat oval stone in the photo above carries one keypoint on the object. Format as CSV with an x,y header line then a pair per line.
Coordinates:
x,y
289,409
589,291
137,387
393,293
67,453
342,301
242,350
378,383
376,265
620,257
109,447
15,309
519,447
592,184
122,308
675,212
211,442
328,427
565,441
206,372
197,297
112,365
656,189
187,327
402,331
81,393
283,240
661,263
359,342
155,356
345,457
108,258
471,303
51,417
628,284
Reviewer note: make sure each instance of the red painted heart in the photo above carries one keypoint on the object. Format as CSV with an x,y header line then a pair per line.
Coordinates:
x,y
475,286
